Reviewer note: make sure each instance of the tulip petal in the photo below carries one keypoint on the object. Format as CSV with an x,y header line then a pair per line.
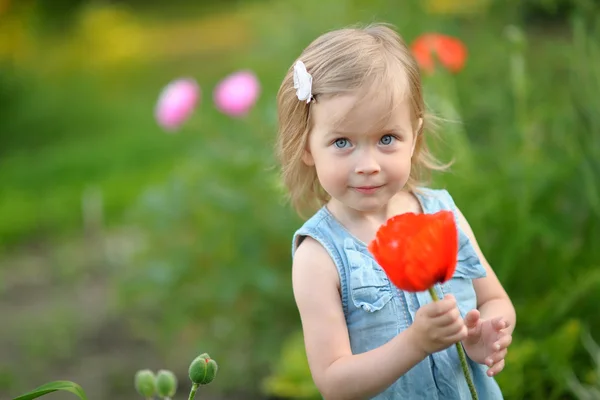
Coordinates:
x,y
417,250
449,51
237,93
177,103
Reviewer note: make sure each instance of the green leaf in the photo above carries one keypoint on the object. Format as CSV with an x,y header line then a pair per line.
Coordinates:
x,y
50,387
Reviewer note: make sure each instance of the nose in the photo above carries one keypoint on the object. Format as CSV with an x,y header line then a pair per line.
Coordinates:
x,y
367,164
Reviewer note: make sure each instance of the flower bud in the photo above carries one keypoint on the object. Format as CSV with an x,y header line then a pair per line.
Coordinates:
x,y
176,103
145,383
236,94
166,383
203,370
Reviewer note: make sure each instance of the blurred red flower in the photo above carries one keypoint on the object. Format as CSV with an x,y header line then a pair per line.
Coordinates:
x,y
448,50
417,250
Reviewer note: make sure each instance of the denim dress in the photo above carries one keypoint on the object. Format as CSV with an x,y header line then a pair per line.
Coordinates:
x,y
376,311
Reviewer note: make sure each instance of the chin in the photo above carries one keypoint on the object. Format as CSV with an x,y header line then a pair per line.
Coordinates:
x,y
368,206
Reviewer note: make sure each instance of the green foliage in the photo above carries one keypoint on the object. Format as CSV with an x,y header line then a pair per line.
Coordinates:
x,y
544,12
51,387
70,146
589,389
205,267
291,377
534,367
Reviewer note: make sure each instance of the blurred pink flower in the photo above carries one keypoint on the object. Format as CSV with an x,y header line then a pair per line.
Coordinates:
x,y
236,94
177,103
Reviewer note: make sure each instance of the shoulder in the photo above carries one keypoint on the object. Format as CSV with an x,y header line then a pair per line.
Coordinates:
x,y
314,275
441,199
320,228
432,194
313,261
314,256
310,227
310,249
433,200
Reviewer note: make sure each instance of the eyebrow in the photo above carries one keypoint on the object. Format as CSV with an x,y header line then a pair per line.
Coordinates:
x,y
394,129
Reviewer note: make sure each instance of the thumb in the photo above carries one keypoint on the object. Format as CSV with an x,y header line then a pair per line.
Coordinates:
x,y
472,318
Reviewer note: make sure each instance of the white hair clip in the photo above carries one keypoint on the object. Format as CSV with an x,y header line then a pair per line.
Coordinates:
x,y
302,82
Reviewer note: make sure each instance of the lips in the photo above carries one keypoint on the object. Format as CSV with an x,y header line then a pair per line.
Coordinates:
x,y
367,189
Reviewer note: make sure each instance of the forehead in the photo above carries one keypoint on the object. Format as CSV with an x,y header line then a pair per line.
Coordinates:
x,y
359,113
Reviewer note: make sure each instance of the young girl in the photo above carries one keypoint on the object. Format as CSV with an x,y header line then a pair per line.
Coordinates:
x,y
351,143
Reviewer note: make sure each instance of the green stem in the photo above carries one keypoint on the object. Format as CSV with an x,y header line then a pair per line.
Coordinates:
x,y
193,391
461,356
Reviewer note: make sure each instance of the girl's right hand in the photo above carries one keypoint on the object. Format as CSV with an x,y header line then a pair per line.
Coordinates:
x,y
438,325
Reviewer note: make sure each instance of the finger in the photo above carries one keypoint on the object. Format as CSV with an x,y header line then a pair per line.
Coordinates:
x,y
443,306
472,318
496,358
507,326
499,366
455,328
502,343
499,323
458,335
448,318
449,296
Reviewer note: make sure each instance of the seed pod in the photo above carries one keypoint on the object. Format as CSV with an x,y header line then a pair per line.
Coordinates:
x,y
203,370
166,383
145,383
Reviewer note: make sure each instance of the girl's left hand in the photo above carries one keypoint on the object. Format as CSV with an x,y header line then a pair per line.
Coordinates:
x,y
487,341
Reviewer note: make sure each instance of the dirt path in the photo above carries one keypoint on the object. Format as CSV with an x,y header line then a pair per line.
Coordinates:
x,y
59,323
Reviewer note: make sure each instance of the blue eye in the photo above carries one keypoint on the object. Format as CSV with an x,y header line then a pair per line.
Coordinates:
x,y
341,143
387,140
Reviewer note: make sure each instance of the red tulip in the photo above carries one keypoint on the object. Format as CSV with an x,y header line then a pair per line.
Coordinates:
x,y
417,251
448,50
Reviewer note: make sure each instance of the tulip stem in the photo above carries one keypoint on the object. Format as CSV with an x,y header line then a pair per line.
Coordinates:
x,y
461,355
193,391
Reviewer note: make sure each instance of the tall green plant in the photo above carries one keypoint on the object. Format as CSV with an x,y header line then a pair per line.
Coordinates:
x,y
586,389
216,250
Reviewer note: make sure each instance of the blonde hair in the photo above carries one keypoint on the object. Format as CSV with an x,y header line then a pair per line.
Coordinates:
x,y
375,59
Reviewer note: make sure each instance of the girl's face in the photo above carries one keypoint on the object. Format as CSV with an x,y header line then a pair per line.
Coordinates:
x,y
363,159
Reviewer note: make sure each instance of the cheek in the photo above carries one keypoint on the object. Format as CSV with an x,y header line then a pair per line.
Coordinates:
x,y
330,170
400,164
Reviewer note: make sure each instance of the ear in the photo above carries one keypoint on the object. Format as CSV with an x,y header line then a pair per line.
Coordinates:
x,y
308,158
416,135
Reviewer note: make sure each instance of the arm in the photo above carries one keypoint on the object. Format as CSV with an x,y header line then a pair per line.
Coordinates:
x,y
492,299
337,373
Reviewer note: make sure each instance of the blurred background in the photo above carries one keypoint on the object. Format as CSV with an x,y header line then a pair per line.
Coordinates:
x,y
124,246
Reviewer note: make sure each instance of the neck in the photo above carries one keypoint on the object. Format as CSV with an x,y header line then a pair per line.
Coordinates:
x,y
401,202
351,216
364,224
